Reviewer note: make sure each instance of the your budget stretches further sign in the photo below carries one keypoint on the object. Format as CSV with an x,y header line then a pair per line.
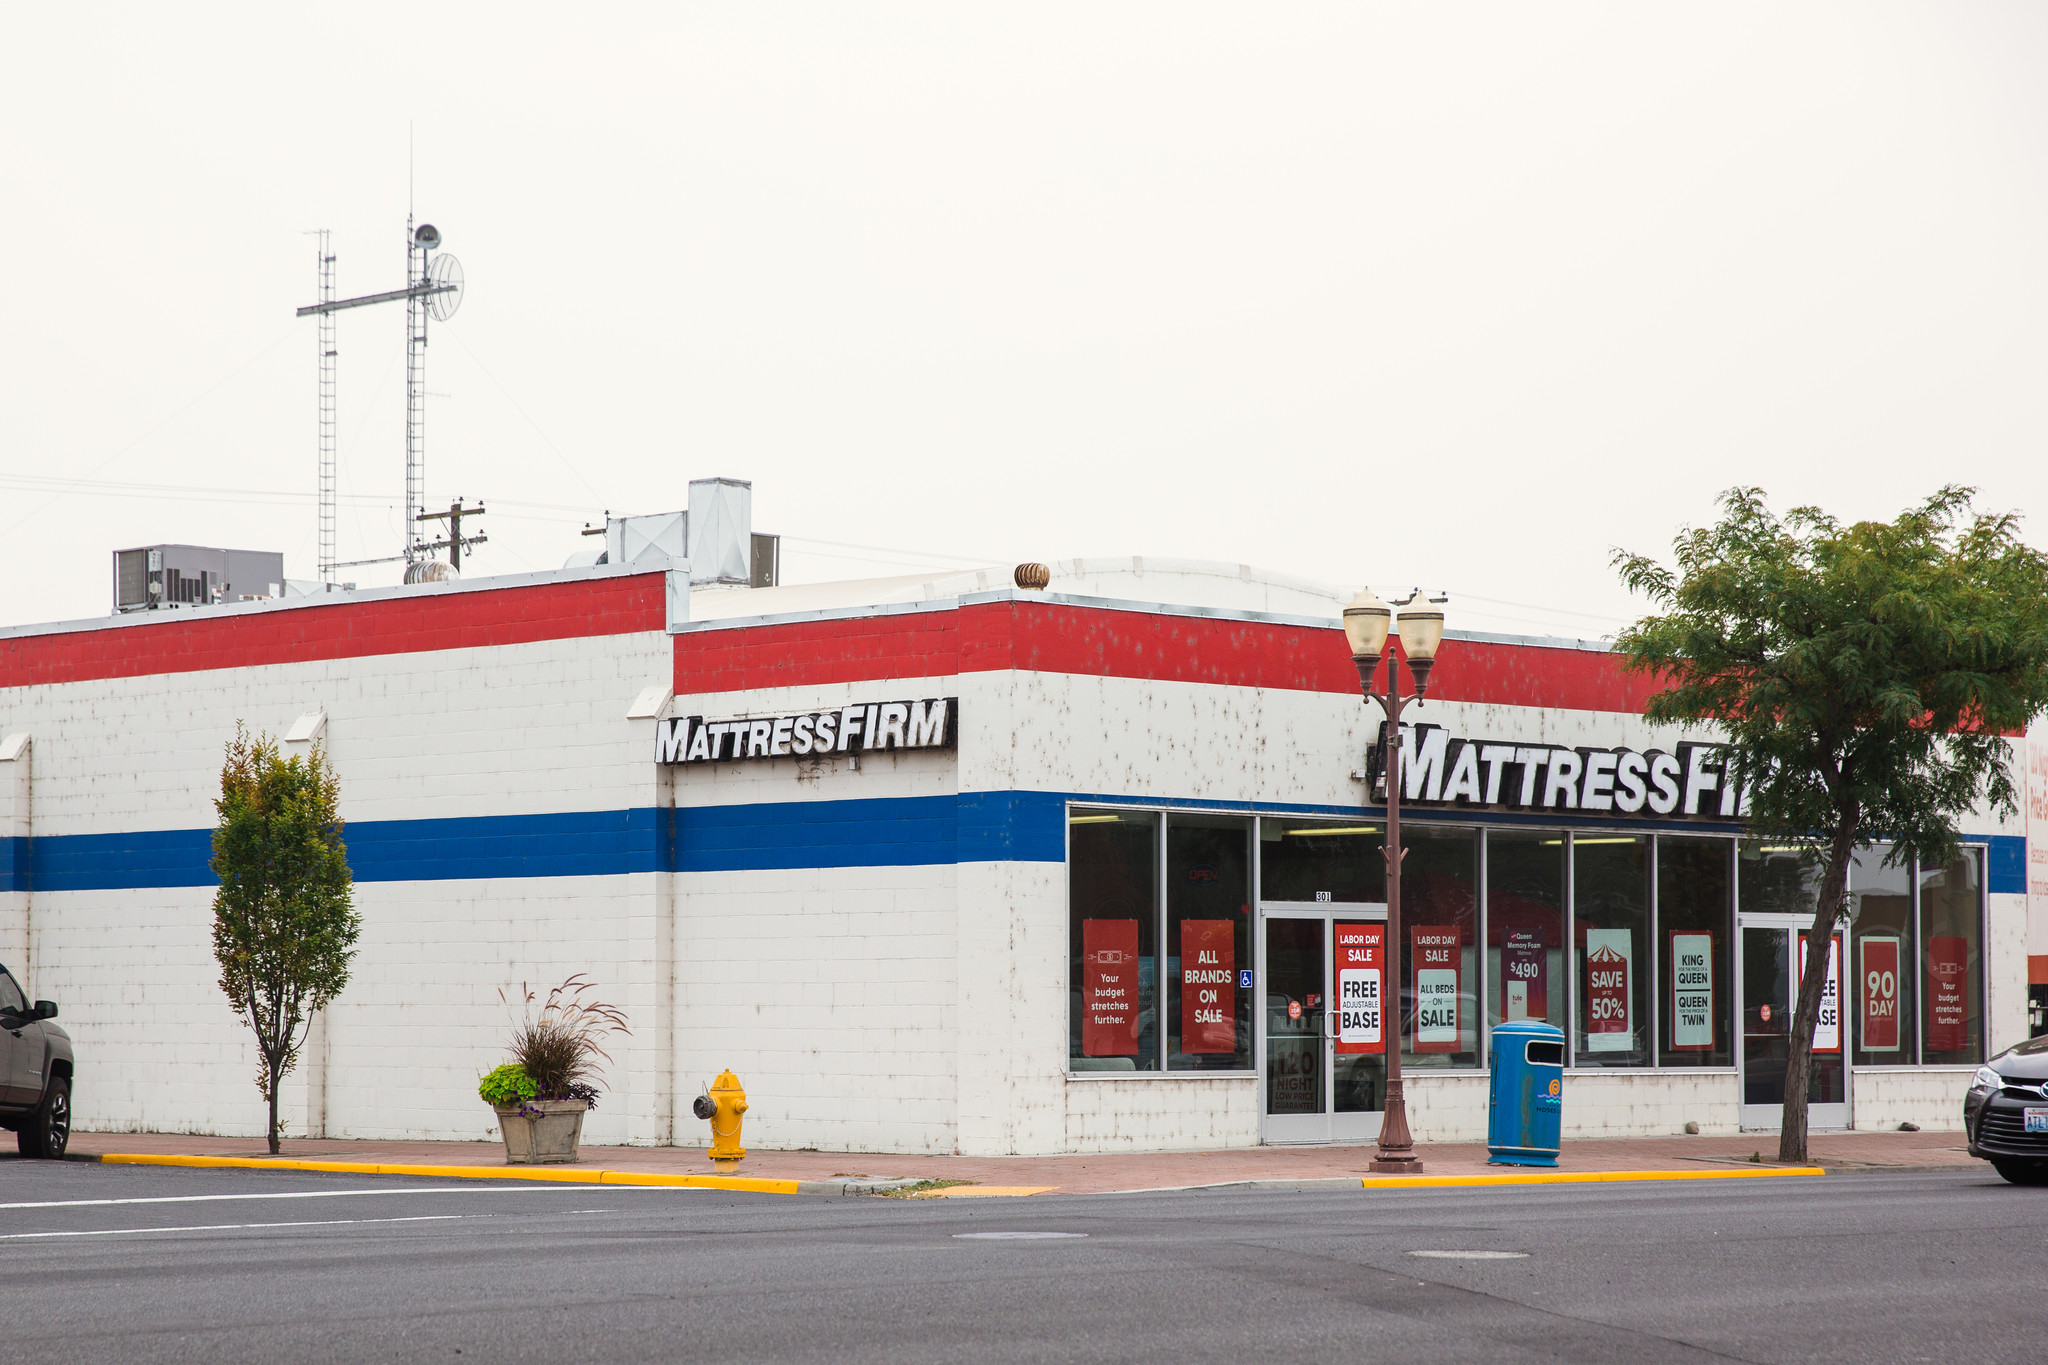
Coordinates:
x,y
864,727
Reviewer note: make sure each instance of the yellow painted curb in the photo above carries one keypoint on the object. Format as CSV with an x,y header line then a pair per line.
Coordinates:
x,y
1580,1177
586,1177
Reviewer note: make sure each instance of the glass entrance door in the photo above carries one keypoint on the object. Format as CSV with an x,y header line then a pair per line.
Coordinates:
x,y
1773,957
1323,1031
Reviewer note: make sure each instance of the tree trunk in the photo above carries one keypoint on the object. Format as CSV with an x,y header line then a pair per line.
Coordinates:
x,y
276,1078
1834,883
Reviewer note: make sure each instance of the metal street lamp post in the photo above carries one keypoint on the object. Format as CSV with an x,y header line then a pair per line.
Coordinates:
x,y
1366,624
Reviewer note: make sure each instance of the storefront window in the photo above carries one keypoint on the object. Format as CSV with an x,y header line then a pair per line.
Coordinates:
x,y
1113,920
1952,960
1440,954
1695,926
1208,938
1310,861
1882,1017
1611,926
1525,967
1779,879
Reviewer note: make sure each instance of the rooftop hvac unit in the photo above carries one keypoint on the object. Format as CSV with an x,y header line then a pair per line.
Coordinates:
x,y
162,577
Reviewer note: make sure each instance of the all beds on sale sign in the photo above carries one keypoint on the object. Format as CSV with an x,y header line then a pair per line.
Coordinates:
x,y
1524,971
1435,957
1109,988
1361,949
1609,960
1208,985
1879,971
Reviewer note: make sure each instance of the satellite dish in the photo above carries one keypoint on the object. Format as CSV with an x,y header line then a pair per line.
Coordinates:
x,y
428,236
445,271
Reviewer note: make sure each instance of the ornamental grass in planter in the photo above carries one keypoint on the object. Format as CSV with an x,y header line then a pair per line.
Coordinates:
x,y
542,1094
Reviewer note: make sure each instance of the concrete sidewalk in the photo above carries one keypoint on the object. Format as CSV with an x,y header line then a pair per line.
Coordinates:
x,y
1102,1174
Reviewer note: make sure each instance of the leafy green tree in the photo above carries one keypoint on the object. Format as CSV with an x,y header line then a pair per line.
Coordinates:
x,y
284,928
1866,677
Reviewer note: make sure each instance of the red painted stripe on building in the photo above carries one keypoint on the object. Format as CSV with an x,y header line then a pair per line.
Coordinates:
x,y
182,643
1059,638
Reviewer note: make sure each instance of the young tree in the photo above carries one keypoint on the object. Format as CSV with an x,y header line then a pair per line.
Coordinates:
x,y
283,925
1866,677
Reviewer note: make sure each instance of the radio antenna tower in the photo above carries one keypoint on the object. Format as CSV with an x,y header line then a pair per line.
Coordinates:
x,y
327,498
433,288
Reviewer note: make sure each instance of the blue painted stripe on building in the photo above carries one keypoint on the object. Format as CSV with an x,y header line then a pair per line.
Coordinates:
x,y
1004,826
593,843
123,862
2006,874
915,831
14,863
1020,827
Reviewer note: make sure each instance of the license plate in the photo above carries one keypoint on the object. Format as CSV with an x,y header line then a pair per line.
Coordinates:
x,y
2036,1120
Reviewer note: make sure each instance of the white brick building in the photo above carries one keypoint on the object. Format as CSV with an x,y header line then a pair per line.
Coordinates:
x,y
892,948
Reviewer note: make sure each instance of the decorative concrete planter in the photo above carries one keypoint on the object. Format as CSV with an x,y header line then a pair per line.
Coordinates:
x,y
542,1132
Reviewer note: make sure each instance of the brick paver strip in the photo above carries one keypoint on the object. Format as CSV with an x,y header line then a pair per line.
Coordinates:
x,y
1091,1174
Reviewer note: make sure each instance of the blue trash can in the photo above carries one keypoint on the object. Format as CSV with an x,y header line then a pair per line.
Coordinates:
x,y
1526,1111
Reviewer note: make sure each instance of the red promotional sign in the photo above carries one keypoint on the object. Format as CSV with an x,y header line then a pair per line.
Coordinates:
x,y
1361,953
1525,973
1948,1015
1827,1025
1608,954
1880,992
1435,960
1208,985
1109,988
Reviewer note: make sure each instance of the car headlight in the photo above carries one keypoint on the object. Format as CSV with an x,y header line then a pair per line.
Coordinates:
x,y
1986,1079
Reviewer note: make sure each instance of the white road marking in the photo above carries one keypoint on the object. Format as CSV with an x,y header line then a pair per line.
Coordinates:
x,y
328,1194
233,1227
1473,1255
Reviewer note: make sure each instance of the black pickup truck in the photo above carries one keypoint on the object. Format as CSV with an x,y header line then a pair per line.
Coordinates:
x,y
35,1072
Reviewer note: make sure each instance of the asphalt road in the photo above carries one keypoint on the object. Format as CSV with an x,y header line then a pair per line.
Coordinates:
x,y
111,1263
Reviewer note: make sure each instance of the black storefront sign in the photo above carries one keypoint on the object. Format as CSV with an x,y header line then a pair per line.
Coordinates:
x,y
861,728
1692,781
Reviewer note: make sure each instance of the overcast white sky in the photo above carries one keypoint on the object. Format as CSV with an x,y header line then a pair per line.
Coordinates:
x,y
1459,295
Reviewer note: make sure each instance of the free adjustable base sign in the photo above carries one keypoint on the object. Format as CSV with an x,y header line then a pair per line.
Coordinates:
x,y
862,728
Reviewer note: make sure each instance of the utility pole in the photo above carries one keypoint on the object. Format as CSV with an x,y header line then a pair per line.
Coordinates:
x,y
455,542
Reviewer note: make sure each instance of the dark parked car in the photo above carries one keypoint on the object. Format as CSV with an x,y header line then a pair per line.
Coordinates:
x,y
2006,1113
35,1073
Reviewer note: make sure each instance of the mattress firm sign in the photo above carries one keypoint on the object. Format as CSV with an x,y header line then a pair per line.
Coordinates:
x,y
1442,769
862,728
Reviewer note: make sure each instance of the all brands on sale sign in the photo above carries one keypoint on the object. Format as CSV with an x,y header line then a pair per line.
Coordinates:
x,y
1609,954
1109,988
1361,951
1208,985
1436,958
1524,973
1879,972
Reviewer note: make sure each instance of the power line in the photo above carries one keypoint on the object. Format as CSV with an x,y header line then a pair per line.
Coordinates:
x,y
195,402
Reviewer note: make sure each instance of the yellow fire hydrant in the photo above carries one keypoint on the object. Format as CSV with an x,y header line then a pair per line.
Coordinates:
x,y
722,1106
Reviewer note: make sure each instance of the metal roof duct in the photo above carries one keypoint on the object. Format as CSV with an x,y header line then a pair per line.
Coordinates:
x,y
722,531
